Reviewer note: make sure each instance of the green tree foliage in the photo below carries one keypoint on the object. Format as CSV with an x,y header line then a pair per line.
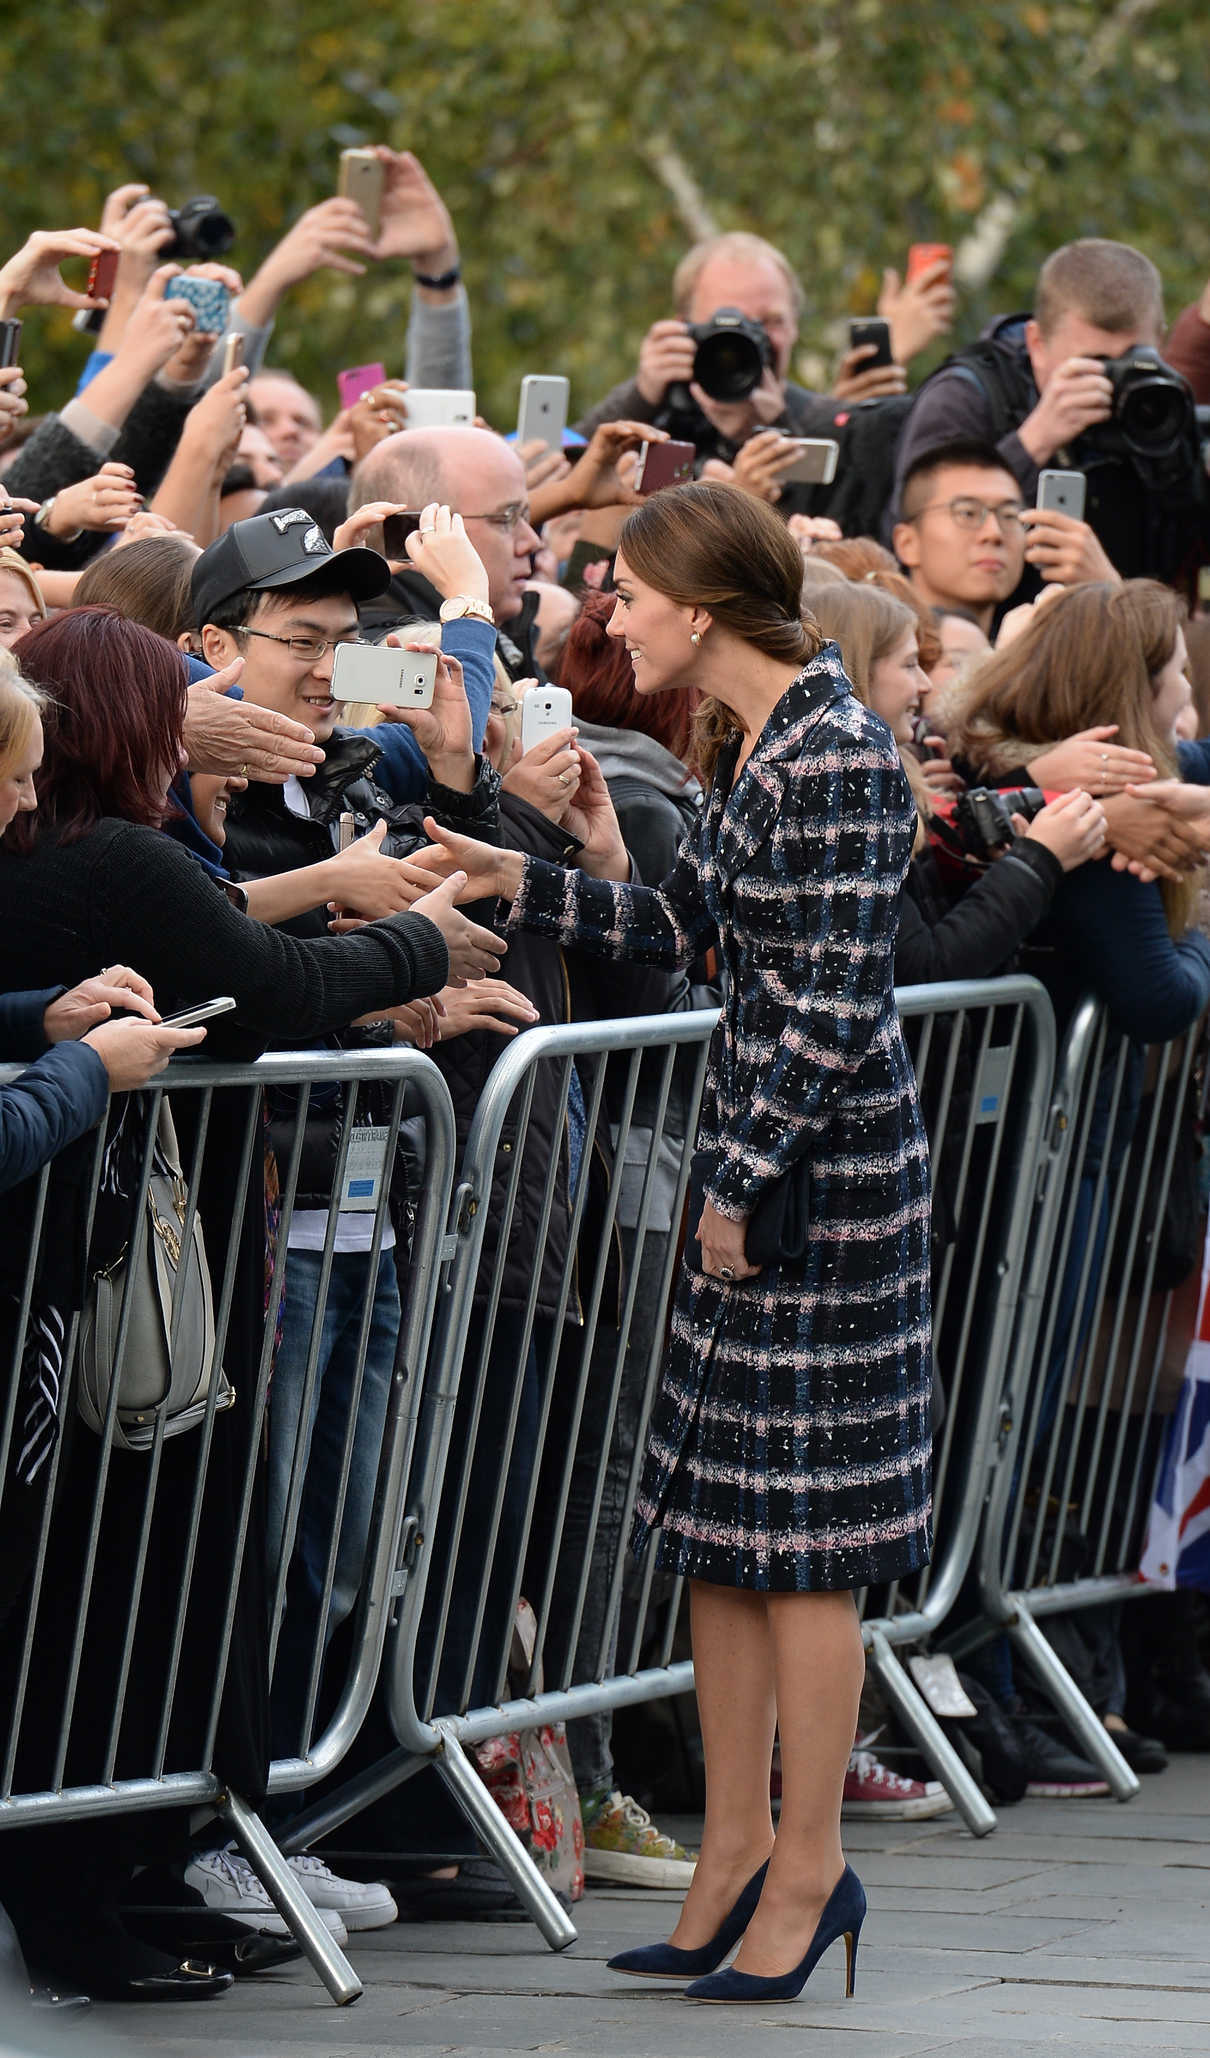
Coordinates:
x,y
576,148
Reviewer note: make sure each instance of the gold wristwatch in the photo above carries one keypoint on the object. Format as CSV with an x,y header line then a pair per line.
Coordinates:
x,y
454,609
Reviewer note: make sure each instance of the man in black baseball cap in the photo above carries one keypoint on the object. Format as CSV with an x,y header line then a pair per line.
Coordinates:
x,y
273,591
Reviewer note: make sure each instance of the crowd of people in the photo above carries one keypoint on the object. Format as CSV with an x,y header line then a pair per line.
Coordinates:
x,y
189,541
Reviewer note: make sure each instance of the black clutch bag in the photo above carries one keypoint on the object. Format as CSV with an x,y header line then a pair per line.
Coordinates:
x,y
778,1227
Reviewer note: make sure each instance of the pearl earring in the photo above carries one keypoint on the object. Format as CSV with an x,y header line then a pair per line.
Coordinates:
x,y
694,637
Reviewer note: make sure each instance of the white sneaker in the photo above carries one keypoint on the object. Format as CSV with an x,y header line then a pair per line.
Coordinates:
x,y
228,1885
361,1904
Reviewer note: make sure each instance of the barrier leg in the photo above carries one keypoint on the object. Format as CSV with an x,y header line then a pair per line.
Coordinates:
x,y
1056,1681
290,1901
962,1788
505,1847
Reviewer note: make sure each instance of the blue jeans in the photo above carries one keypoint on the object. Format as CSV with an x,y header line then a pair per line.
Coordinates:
x,y
335,1396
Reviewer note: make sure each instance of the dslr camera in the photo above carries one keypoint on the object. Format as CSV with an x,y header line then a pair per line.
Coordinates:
x,y
983,816
201,231
1154,422
730,360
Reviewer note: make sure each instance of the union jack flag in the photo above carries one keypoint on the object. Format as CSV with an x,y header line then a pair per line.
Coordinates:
x,y
1177,1550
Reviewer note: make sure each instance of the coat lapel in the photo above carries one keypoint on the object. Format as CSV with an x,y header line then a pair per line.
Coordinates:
x,y
750,810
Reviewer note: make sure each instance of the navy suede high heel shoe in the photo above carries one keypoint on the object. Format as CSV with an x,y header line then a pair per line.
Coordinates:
x,y
667,1961
842,1917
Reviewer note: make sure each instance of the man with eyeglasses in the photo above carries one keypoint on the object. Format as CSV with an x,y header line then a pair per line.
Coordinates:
x,y
273,592
479,476
960,536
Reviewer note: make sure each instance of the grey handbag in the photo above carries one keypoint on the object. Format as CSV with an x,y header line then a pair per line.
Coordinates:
x,y
167,1281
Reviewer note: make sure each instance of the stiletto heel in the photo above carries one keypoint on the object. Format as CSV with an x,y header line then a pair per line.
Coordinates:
x,y
842,1917
668,1961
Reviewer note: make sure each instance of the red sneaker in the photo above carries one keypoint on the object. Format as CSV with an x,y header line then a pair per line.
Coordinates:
x,y
872,1790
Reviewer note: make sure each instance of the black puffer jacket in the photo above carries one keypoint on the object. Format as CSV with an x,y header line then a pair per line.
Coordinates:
x,y
564,986
265,836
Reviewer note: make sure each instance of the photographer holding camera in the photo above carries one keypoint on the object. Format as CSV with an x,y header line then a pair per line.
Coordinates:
x,y
1080,384
717,375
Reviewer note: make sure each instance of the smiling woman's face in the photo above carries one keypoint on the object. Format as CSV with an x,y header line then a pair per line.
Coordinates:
x,y
210,795
656,631
18,609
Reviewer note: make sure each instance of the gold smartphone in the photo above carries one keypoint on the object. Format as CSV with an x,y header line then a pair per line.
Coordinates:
x,y
361,177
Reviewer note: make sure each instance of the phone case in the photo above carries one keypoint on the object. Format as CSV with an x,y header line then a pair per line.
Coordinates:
x,y
440,407
922,255
378,675
208,300
359,379
874,331
361,180
664,464
543,710
1062,493
102,274
542,414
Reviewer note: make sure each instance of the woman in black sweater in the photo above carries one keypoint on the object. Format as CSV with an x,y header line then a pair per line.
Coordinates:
x,y
89,869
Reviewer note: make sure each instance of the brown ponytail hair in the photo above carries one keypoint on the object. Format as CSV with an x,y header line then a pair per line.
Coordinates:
x,y
715,546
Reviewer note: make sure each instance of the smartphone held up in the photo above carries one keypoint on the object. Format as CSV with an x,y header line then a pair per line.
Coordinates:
x,y
378,675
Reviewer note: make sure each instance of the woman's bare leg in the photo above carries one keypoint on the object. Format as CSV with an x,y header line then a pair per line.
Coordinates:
x,y
819,1667
733,1668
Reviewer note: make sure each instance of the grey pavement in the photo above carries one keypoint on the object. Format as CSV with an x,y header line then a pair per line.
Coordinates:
x,y
1078,1927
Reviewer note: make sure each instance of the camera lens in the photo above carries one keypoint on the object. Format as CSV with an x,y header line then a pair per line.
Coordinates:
x,y
728,366
1152,415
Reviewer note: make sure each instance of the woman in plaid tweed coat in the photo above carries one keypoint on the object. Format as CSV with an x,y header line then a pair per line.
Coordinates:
x,y
788,1460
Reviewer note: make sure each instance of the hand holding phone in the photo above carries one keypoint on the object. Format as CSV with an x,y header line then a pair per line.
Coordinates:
x,y
1062,493
205,1011
379,675
874,337
209,300
359,379
361,179
664,464
922,256
103,275
547,708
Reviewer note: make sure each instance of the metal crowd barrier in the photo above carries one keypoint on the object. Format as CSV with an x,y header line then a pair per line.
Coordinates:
x,y
533,1416
1067,1513
528,1357
984,1054
151,1579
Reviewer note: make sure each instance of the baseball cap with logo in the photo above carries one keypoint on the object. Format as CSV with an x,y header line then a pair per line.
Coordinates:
x,y
269,551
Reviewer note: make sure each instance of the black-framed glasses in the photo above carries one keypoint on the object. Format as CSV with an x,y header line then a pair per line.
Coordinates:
x,y
307,649
970,513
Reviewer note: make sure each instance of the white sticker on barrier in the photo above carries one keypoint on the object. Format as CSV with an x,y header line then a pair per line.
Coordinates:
x,y
365,1167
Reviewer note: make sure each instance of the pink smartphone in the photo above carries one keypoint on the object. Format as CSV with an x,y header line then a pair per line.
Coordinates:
x,y
359,379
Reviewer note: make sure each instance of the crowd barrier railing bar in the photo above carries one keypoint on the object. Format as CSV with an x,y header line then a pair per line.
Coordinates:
x,y
119,1703
984,1055
1067,1511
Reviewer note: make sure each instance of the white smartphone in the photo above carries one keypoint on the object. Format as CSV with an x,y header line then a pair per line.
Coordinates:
x,y
439,407
190,1017
815,464
543,710
1062,493
542,414
378,675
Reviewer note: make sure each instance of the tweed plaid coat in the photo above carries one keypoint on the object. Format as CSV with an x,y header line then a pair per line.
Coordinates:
x,y
790,1439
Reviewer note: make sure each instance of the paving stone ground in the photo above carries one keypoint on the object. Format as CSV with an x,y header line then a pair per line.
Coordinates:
x,y
1078,1929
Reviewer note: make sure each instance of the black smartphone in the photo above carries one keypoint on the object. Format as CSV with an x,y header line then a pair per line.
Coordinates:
x,y
877,332
396,529
10,342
